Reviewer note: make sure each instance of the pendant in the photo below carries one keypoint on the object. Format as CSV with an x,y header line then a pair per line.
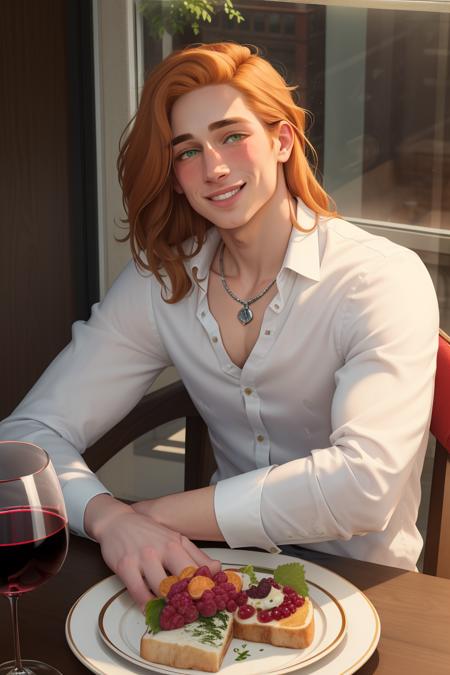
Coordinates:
x,y
245,315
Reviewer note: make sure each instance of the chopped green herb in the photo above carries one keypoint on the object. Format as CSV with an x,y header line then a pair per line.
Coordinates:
x,y
152,611
293,575
242,653
209,630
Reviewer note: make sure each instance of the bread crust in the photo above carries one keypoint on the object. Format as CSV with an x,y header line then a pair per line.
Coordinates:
x,y
275,634
184,656
292,632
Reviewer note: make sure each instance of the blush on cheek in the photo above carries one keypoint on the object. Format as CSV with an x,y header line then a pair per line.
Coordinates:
x,y
188,173
250,153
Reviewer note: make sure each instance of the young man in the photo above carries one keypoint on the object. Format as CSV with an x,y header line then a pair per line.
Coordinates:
x,y
307,345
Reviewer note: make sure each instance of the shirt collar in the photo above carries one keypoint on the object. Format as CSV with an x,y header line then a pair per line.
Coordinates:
x,y
302,254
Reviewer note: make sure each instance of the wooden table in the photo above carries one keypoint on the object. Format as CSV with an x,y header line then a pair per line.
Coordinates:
x,y
414,610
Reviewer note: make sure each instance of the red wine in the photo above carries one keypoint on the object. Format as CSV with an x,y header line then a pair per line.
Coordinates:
x,y
33,546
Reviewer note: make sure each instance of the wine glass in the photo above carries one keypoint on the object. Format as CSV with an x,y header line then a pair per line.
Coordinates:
x,y
33,534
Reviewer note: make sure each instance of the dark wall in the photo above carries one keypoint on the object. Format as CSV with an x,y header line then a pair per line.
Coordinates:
x,y
48,229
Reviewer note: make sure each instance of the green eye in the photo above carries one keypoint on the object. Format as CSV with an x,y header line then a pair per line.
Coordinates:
x,y
231,136
186,151
182,156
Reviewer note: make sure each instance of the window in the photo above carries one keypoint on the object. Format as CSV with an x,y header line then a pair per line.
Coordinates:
x,y
376,80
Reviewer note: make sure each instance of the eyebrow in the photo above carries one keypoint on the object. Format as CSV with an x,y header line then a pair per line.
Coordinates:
x,y
211,127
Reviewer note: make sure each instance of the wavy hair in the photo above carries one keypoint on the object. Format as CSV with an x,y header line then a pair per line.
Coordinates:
x,y
159,218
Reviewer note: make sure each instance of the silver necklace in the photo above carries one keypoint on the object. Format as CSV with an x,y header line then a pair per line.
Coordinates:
x,y
245,315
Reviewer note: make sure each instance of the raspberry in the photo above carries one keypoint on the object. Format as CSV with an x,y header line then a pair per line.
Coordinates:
x,y
227,587
220,578
178,621
191,614
203,572
221,603
285,612
180,600
276,614
265,615
207,596
207,608
241,599
170,618
246,611
178,587
287,590
299,601
165,620
231,605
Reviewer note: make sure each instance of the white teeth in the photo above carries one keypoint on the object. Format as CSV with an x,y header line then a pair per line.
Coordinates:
x,y
226,195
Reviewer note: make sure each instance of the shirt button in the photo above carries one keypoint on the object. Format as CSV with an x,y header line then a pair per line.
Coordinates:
x,y
248,391
276,306
267,332
214,339
260,438
203,314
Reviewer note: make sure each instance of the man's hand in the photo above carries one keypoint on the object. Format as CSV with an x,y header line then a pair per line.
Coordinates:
x,y
138,549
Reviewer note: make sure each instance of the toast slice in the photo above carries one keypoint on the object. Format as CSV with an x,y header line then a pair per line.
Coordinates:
x,y
200,645
296,631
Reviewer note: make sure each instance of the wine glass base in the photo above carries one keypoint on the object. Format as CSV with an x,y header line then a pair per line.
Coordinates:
x,y
29,667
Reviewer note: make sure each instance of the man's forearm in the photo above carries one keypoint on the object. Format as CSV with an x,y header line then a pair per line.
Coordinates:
x,y
190,513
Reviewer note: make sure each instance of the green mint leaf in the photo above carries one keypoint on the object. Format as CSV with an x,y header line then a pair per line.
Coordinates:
x,y
152,611
249,571
293,575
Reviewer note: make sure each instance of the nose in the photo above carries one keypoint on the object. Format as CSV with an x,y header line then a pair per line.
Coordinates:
x,y
214,165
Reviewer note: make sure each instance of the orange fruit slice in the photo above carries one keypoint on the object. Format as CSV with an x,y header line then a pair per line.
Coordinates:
x,y
235,579
198,585
187,572
297,618
166,584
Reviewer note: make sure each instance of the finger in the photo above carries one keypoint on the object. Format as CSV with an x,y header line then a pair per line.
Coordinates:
x,y
200,557
136,586
177,557
152,568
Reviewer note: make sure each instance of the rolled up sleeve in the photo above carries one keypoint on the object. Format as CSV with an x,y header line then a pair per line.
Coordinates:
x,y
380,415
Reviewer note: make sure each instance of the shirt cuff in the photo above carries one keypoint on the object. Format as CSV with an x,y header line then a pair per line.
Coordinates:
x,y
237,505
77,493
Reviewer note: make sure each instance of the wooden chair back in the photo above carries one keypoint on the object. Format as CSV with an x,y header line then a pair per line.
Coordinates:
x,y
164,405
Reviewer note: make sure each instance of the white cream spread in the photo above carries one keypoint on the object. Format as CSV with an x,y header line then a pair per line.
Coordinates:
x,y
274,599
195,634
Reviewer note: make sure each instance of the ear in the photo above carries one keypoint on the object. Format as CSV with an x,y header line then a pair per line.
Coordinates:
x,y
283,141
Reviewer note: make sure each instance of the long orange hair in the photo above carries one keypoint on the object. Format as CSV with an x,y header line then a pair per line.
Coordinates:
x,y
159,218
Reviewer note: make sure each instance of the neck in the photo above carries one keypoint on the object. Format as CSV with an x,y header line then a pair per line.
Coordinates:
x,y
254,253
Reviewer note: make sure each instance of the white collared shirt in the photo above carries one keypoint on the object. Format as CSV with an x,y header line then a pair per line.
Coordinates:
x,y
319,439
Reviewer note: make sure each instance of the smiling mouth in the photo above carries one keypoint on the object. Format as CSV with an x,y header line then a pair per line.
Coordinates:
x,y
231,193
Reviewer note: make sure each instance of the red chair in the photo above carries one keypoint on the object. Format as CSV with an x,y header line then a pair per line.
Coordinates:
x,y
437,544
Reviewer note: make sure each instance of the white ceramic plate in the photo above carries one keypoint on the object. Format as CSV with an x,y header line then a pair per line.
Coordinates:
x,y
122,625
347,627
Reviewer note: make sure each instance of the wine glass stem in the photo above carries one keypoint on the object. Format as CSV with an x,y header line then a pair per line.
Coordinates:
x,y
18,670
